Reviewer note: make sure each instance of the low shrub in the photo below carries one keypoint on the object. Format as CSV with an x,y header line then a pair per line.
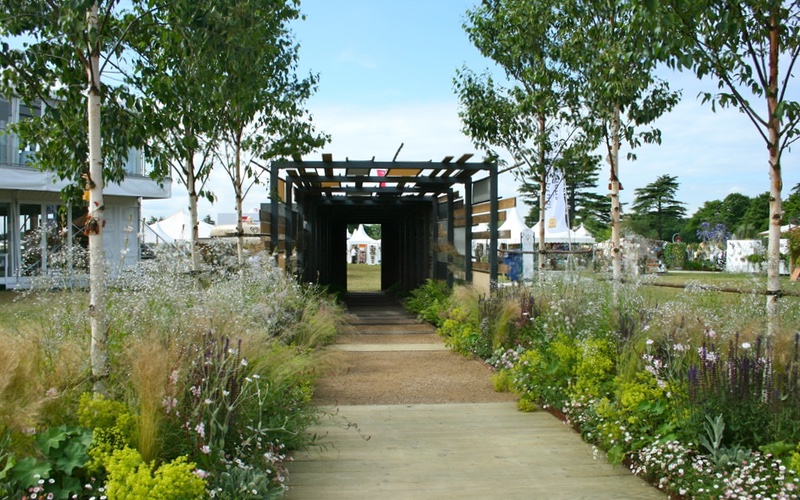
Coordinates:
x,y
210,385
131,478
429,301
639,376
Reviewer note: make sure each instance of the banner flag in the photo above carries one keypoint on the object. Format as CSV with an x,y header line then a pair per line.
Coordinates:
x,y
555,211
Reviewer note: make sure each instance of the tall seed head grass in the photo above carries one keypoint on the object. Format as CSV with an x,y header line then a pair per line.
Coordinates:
x,y
150,365
508,315
465,298
319,325
21,390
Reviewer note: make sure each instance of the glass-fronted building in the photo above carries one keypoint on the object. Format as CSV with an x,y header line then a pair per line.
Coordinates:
x,y
38,233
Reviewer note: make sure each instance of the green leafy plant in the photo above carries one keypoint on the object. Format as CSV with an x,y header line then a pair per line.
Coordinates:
x,y
130,478
712,441
594,370
428,301
242,481
543,374
674,255
61,469
112,428
461,336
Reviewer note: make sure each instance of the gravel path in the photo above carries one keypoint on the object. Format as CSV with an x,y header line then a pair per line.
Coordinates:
x,y
387,376
391,438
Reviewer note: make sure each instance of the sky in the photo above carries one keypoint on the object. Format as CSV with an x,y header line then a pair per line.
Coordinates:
x,y
386,74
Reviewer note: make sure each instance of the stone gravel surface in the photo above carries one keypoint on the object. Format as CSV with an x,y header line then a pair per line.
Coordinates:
x,y
408,377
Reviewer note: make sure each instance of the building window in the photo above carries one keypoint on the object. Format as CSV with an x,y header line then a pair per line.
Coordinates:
x,y
5,119
11,150
26,153
133,164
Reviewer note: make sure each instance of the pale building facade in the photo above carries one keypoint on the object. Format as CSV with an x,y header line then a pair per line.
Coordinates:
x,y
35,225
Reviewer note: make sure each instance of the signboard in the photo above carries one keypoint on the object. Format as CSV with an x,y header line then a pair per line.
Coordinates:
x,y
480,190
555,211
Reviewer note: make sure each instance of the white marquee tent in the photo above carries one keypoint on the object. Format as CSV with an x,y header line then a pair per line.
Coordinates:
x,y
174,228
363,242
578,236
514,225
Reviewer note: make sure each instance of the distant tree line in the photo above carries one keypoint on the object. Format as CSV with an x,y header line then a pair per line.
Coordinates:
x,y
657,213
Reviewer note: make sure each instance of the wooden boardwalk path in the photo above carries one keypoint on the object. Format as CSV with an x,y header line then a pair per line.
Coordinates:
x,y
437,448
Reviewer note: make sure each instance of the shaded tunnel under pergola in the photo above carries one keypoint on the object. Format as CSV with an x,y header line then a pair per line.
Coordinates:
x,y
416,203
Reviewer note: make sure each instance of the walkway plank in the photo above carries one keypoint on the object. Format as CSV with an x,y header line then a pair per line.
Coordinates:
x,y
388,347
454,450
483,450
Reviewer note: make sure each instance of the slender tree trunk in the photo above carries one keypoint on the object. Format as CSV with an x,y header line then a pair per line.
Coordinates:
x,y
191,187
98,353
239,227
542,200
776,183
616,211
542,246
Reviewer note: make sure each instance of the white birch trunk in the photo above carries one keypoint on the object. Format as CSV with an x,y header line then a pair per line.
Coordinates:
x,y
775,209
542,247
98,353
542,200
191,187
239,227
616,211
773,249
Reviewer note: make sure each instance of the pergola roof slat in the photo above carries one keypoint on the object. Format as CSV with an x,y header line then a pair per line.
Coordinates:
x,y
328,178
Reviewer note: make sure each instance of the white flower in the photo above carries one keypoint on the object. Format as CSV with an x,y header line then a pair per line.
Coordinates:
x,y
746,345
244,362
205,449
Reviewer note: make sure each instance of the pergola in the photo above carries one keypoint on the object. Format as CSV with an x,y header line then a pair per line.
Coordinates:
x,y
416,203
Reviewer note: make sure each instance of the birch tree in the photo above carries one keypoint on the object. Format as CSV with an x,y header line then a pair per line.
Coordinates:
x,y
534,120
262,114
607,43
56,53
749,48
181,48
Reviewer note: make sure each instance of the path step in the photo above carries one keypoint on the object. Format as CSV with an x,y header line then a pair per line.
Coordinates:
x,y
383,320
379,329
388,347
370,299
455,451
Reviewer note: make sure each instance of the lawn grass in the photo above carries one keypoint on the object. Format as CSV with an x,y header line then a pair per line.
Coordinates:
x,y
675,281
736,280
363,278
25,307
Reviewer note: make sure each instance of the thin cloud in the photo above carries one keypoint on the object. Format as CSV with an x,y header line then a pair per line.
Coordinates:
x,y
352,57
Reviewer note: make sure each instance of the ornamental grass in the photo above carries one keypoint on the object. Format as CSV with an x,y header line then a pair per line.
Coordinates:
x,y
211,375
638,369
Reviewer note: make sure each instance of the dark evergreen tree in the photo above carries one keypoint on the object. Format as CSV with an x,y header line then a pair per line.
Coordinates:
x,y
580,177
656,208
